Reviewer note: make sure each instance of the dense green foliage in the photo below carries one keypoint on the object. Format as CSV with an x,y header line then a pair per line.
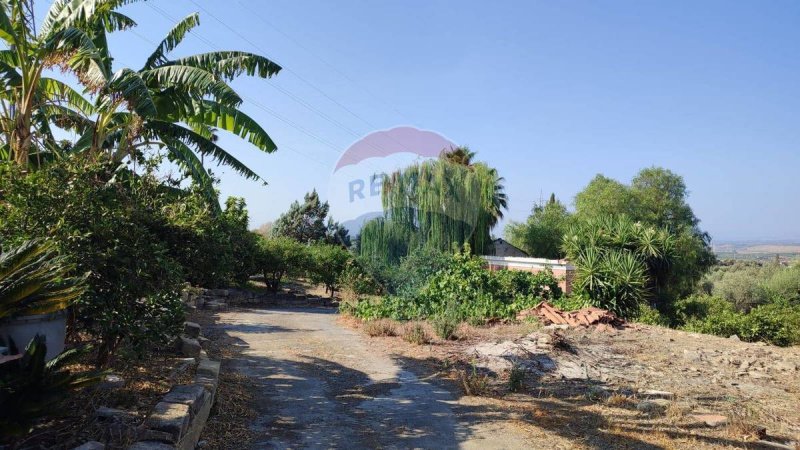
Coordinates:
x,y
86,221
96,198
279,257
463,288
619,263
111,230
749,284
176,104
754,301
136,237
327,265
440,204
307,223
656,198
541,236
777,322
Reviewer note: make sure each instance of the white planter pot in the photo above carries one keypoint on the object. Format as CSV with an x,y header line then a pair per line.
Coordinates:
x,y
22,329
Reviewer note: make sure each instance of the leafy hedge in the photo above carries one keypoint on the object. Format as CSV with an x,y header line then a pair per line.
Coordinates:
x,y
464,288
776,323
136,235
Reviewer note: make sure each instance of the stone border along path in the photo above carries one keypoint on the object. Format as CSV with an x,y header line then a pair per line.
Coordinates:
x,y
177,421
221,299
320,385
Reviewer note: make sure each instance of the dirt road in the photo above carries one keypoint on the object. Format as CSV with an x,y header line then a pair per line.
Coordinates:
x,y
320,385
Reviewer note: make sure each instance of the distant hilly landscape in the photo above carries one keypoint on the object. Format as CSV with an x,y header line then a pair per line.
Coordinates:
x,y
757,249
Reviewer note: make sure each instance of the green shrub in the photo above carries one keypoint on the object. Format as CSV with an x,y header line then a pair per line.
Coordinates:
x,y
785,284
571,303
651,316
747,284
112,225
516,377
415,270
278,257
465,288
327,264
775,323
359,279
445,323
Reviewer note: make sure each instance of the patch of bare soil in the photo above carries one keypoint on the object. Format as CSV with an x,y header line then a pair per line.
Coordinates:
x,y
640,387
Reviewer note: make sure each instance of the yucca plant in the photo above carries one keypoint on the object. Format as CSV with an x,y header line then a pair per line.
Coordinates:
x,y
34,279
619,262
29,386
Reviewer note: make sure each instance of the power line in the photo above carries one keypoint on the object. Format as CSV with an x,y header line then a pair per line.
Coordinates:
x,y
294,97
276,115
300,77
313,86
325,61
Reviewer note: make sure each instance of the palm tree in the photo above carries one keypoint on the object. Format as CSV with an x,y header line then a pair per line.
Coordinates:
x,y
459,155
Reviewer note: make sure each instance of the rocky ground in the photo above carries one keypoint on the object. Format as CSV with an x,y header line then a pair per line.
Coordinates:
x,y
313,379
640,387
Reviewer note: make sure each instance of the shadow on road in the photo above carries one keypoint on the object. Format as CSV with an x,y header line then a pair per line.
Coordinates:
x,y
315,402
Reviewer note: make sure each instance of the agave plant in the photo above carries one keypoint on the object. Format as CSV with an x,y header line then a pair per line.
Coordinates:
x,y
34,279
29,386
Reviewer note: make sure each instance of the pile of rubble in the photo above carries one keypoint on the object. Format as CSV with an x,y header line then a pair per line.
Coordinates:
x,y
600,319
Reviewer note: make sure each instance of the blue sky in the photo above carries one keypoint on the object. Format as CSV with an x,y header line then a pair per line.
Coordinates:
x,y
549,93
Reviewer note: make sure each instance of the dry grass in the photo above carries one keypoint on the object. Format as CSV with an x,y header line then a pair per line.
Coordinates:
x,y
676,412
380,327
619,401
73,420
232,414
415,333
474,383
743,424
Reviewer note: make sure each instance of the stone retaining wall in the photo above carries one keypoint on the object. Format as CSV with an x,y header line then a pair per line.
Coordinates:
x,y
177,421
222,298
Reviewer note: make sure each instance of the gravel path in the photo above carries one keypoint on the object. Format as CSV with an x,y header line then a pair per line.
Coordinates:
x,y
319,385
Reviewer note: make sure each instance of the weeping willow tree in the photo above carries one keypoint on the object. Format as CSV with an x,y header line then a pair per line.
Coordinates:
x,y
441,204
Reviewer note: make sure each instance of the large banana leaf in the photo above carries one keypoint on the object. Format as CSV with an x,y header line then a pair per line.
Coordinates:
x,y
174,37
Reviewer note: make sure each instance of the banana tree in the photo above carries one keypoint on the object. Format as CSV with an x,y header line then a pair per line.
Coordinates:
x,y
175,104
67,39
